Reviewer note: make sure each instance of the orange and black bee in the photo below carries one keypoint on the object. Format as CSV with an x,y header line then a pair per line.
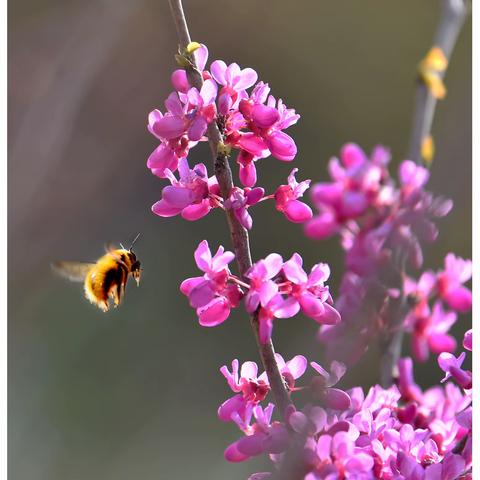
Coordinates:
x,y
106,279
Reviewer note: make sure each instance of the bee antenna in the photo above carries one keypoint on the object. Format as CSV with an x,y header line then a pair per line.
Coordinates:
x,y
133,243
122,246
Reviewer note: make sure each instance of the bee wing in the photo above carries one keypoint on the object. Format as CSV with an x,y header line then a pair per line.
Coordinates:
x,y
74,271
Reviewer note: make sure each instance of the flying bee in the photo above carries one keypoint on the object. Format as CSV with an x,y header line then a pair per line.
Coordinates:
x,y
106,279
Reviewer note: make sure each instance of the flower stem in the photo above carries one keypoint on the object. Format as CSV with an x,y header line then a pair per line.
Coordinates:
x,y
453,16
238,233
451,21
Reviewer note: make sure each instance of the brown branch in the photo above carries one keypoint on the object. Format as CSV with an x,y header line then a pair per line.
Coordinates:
x,y
453,16
238,233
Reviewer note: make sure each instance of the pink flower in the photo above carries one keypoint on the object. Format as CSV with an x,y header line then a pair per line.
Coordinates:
x,y
250,389
234,80
266,123
339,457
264,436
286,199
310,291
457,271
211,294
291,370
189,113
430,330
412,177
262,287
452,368
193,195
239,201
322,386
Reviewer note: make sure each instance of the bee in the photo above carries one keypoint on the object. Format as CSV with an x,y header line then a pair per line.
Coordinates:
x,y
106,279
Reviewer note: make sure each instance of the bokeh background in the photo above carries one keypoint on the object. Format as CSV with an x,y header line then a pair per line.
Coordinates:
x,y
133,393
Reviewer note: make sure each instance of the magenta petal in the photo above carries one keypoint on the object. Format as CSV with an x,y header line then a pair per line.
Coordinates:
x,y
273,264
201,57
453,466
297,212
197,129
297,366
251,445
441,342
230,406
196,211
282,146
169,127
467,340
330,316
360,462
215,313
352,155
293,270
177,197
180,81
354,204
287,308
460,299
322,226
253,144
248,175
164,209
187,285
203,256
264,116
217,69
160,159
337,399
201,294
233,455
311,305
255,195
247,78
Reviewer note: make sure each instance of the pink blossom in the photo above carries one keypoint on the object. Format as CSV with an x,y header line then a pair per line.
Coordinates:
x,y
286,199
451,365
322,386
211,294
189,113
193,195
234,81
249,387
457,271
429,330
239,201
262,287
264,436
266,123
310,291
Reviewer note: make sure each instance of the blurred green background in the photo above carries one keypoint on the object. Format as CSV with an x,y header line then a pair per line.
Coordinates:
x,y
134,393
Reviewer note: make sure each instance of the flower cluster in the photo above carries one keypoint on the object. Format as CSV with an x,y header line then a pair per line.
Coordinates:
x,y
276,289
251,123
382,227
428,325
397,433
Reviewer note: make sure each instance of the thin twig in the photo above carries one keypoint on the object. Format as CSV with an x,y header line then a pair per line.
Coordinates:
x,y
452,18
238,233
